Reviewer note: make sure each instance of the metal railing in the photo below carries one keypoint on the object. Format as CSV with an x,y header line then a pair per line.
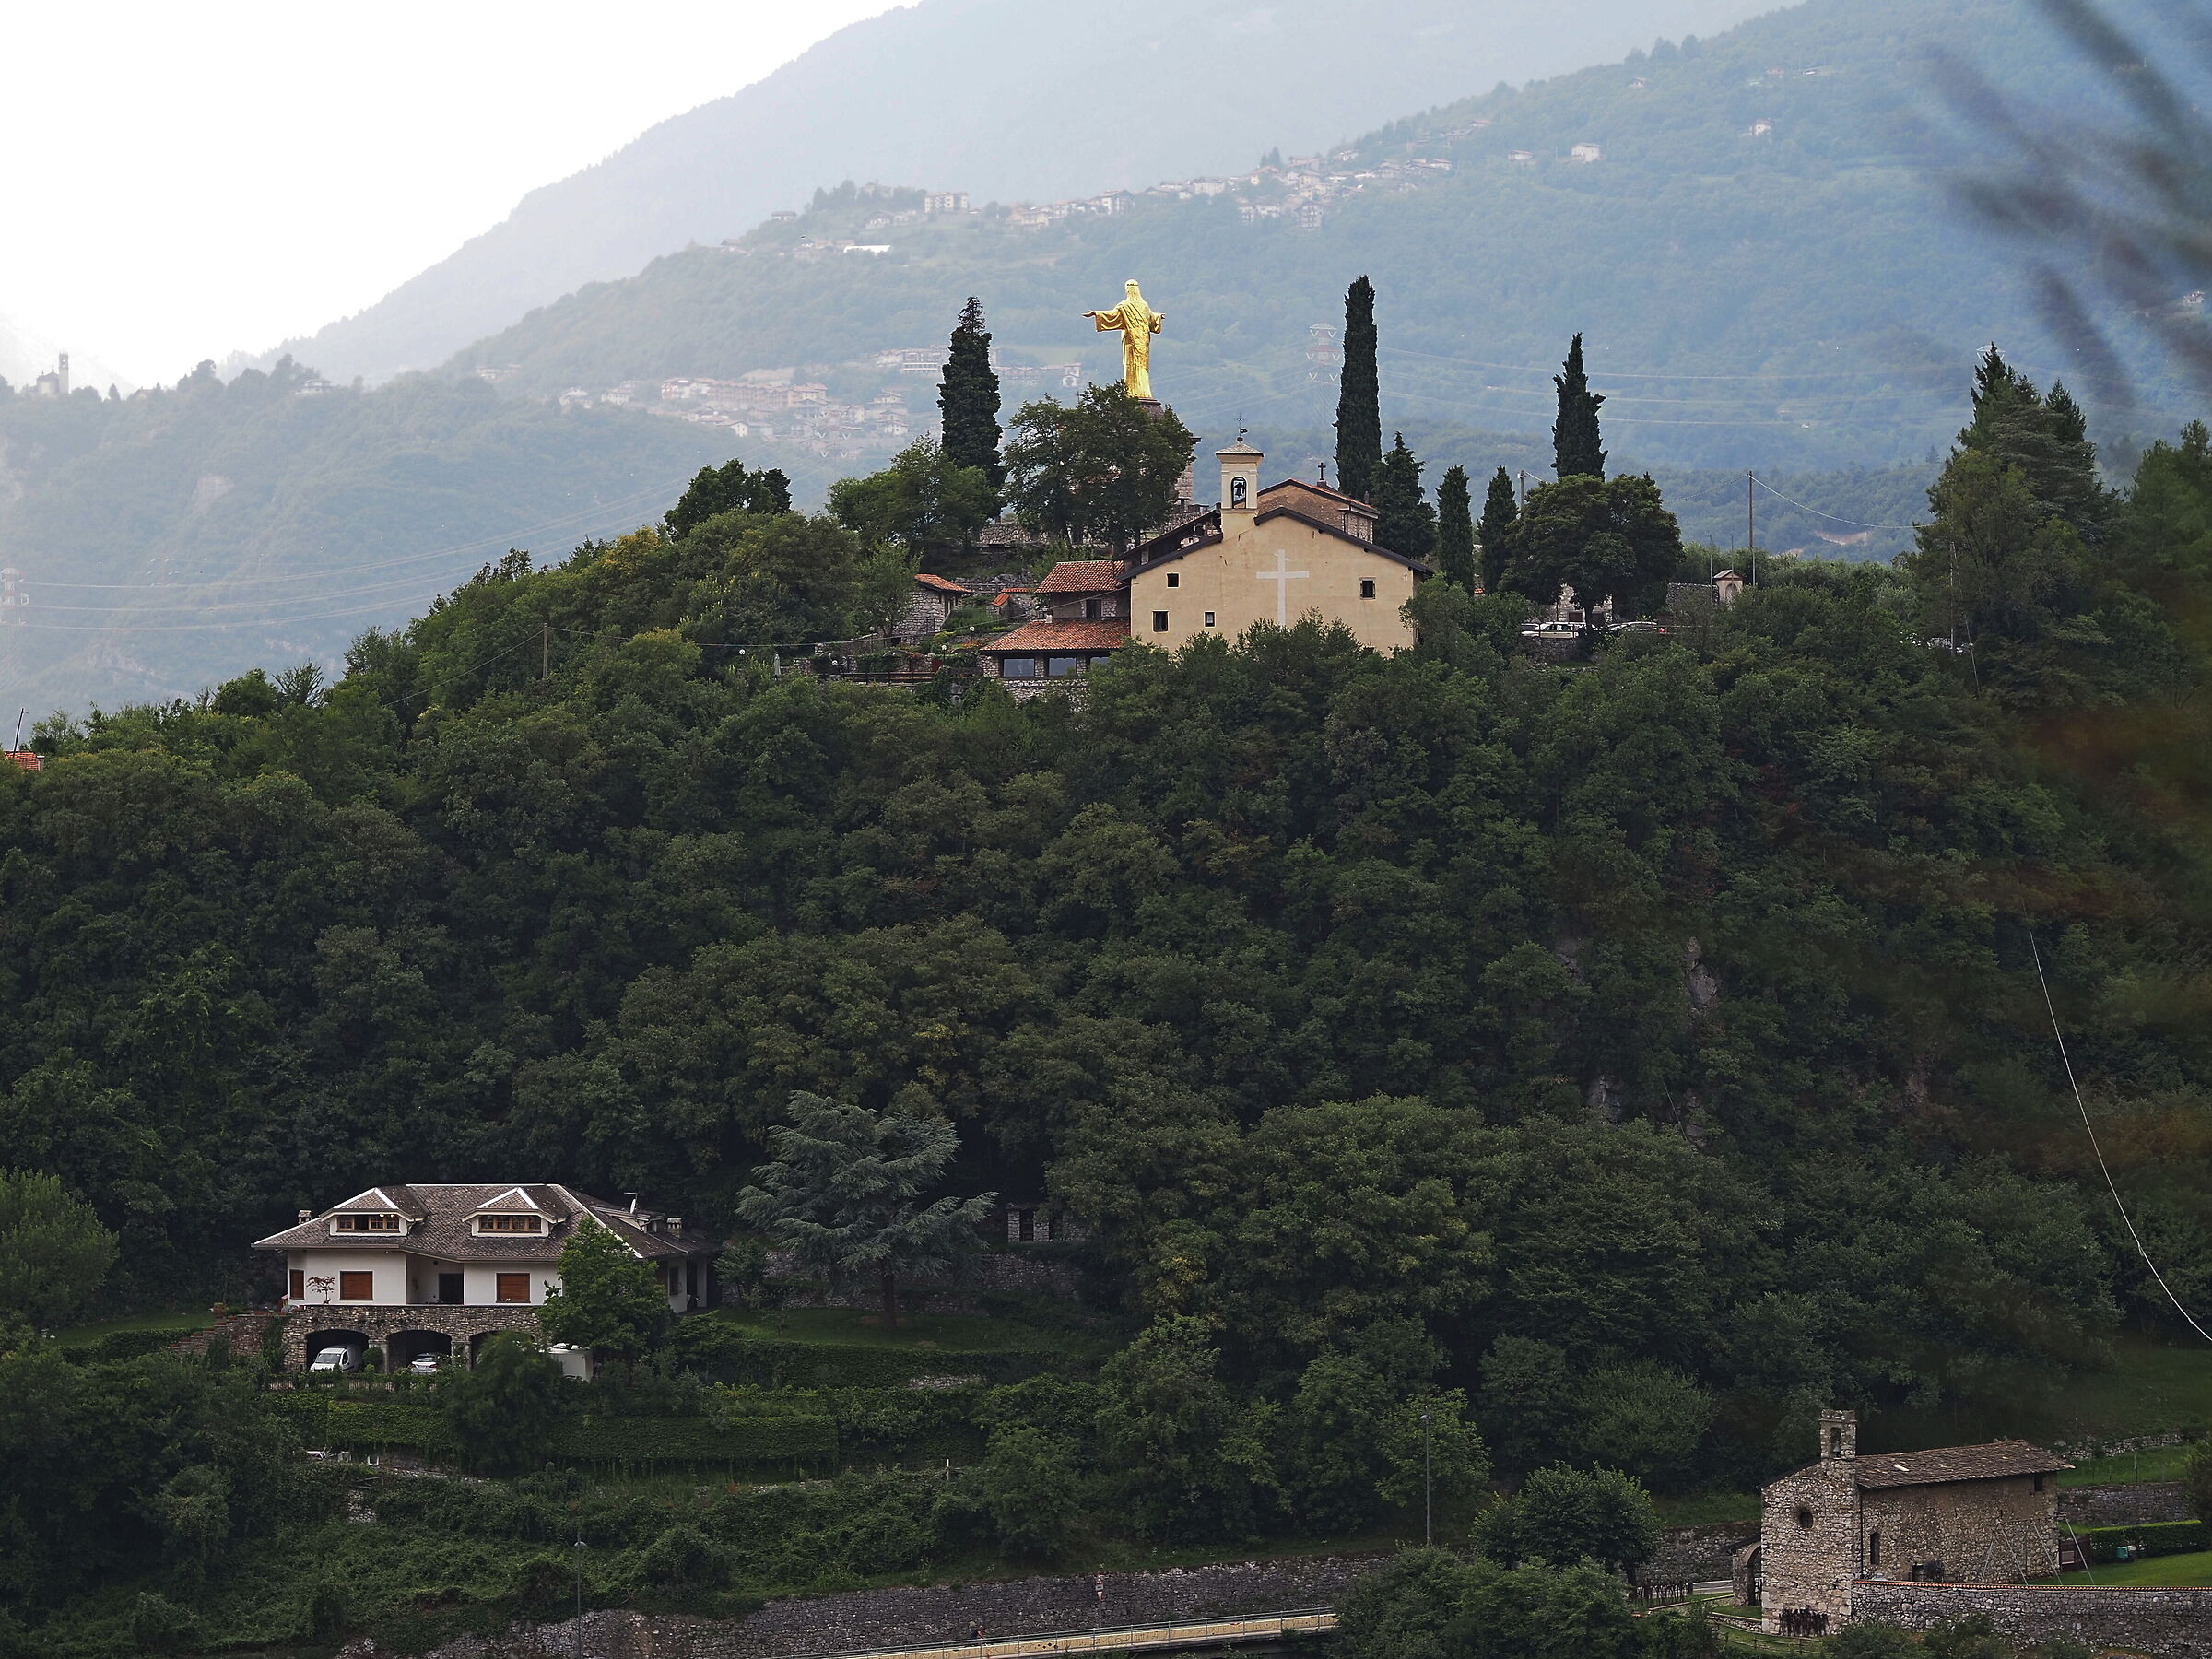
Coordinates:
x,y
1259,1626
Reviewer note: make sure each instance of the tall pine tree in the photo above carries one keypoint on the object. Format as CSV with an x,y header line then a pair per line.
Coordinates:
x,y
1404,522
1498,511
969,397
1455,529
1575,436
1360,398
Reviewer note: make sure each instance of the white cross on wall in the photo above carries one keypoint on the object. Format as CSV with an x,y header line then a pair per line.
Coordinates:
x,y
1282,576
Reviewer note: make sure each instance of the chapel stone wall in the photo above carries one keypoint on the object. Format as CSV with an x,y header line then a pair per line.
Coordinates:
x,y
1989,1531
1809,1533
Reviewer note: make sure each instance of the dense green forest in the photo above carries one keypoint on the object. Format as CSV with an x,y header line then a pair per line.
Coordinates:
x,y
1799,297
1613,1062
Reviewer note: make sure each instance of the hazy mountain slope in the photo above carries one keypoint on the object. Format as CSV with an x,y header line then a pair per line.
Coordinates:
x,y
1004,99
174,538
1801,294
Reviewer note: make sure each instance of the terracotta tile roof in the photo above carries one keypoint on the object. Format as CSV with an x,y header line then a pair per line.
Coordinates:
x,y
943,585
1006,596
28,760
1062,635
1354,502
1941,1464
441,1213
1082,576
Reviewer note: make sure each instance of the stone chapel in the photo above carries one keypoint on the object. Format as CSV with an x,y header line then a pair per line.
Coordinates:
x,y
1277,554
1976,1515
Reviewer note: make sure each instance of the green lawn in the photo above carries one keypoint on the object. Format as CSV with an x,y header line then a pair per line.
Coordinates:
x,y
2188,1570
858,1328
85,1336
2160,1463
2149,1389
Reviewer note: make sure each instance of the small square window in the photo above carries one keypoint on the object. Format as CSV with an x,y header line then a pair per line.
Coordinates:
x,y
1366,588
512,1287
1210,619
1174,578
1160,621
2039,1483
357,1287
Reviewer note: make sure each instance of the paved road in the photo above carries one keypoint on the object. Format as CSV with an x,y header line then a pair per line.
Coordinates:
x,y
1224,1632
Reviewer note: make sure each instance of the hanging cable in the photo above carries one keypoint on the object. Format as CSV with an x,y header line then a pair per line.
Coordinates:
x,y
1816,512
2082,1106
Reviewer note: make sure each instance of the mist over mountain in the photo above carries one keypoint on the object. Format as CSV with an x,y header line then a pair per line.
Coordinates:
x,y
1002,98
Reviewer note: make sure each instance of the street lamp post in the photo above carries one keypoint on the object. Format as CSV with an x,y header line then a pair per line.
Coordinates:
x,y
576,1555
1428,1529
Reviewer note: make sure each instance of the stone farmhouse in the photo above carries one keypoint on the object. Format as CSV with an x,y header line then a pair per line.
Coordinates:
x,y
1983,1515
929,606
439,1270
1275,555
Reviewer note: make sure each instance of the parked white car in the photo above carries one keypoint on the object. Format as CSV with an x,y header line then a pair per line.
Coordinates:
x,y
424,1365
336,1359
1537,631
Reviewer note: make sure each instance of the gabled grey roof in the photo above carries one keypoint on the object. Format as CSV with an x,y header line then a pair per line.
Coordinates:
x,y
1995,1461
442,1214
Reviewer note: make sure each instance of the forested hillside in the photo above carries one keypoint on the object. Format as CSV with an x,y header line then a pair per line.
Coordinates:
x,y
1764,263
1463,1066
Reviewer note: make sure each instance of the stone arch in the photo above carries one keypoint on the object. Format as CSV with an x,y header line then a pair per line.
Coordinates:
x,y
314,1342
401,1346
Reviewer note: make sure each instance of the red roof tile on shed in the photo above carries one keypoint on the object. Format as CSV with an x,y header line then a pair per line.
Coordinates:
x,y
1061,636
1082,576
943,585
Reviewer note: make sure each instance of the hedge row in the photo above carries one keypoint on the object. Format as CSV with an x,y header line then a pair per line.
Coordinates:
x,y
2154,1539
377,1425
729,1355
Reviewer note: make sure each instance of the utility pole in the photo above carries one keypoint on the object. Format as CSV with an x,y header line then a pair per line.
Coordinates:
x,y
1521,493
1428,1507
1751,526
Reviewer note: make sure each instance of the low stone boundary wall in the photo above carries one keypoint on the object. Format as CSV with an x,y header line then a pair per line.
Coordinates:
x,y
2170,1624
1697,1554
937,1613
2151,1501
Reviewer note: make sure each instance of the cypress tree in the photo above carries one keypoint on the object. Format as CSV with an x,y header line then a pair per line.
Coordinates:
x,y
1575,436
1360,398
1404,522
969,397
1498,511
1455,529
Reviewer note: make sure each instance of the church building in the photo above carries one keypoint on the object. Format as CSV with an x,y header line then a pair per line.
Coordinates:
x,y
1275,555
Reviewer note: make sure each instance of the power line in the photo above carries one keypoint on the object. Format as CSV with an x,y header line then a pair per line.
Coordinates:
x,y
1860,523
2082,1106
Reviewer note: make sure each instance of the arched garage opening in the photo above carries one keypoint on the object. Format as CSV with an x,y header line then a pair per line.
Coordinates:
x,y
402,1348
355,1342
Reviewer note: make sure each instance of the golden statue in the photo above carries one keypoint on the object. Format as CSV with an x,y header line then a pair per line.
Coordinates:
x,y
1136,323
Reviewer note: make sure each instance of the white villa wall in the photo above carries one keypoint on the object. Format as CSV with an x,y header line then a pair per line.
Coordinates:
x,y
388,1265
480,1281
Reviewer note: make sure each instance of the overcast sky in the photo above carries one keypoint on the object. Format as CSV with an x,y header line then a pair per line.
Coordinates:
x,y
186,180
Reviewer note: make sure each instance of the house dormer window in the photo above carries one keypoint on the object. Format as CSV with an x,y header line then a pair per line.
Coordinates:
x,y
368,1224
511,1224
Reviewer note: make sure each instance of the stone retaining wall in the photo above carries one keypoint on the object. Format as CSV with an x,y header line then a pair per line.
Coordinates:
x,y
379,1323
939,1613
2123,1505
1697,1554
2170,1624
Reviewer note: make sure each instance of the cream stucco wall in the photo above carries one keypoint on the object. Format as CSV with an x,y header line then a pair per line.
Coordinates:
x,y
390,1266
1233,580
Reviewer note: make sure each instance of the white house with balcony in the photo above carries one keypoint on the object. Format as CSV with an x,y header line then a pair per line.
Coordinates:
x,y
439,1268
